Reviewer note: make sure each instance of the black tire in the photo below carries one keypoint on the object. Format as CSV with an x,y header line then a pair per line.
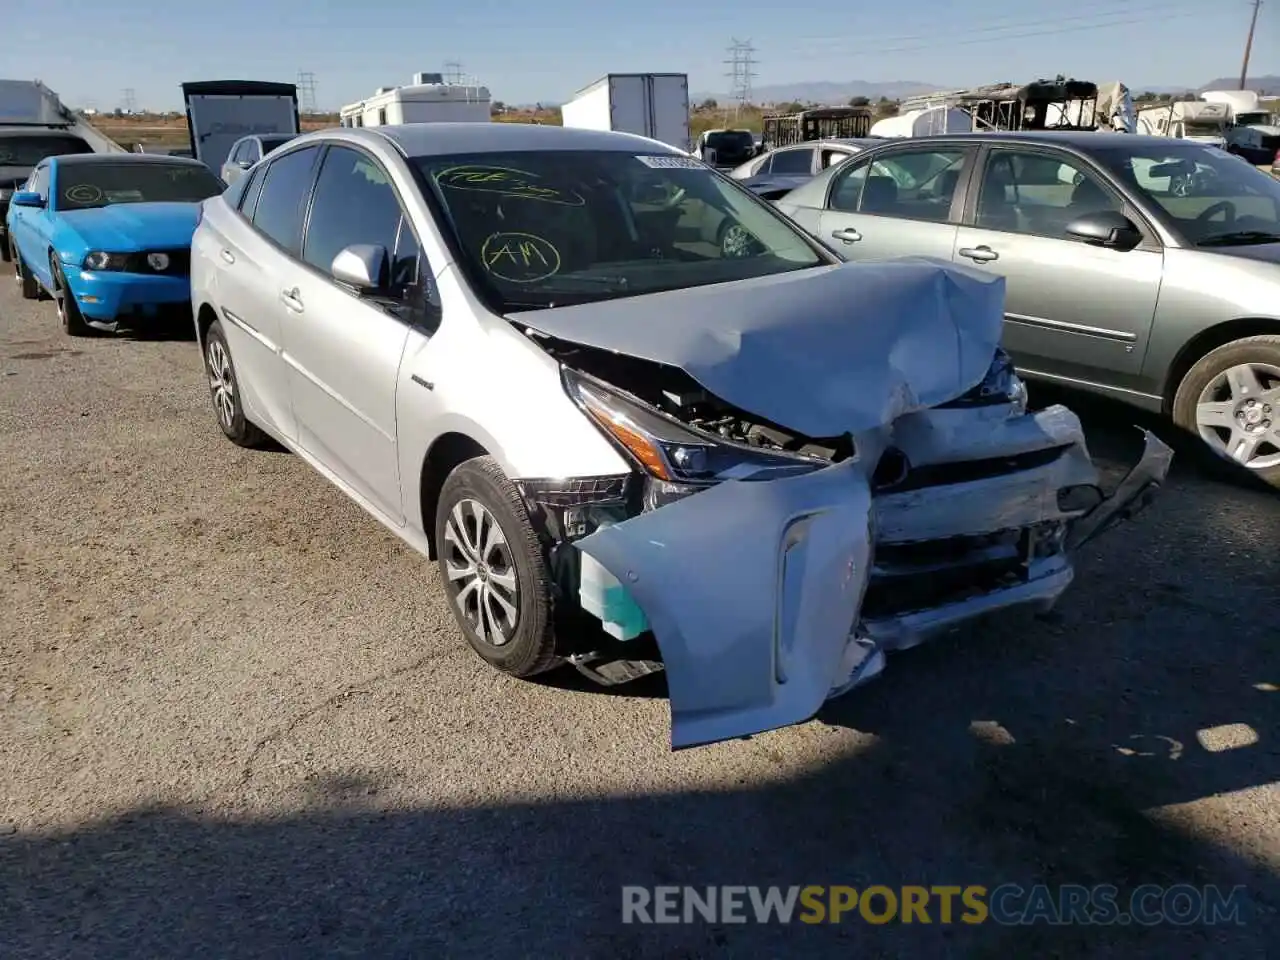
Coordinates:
x,y
531,646
226,406
73,322
28,285
1260,350
6,254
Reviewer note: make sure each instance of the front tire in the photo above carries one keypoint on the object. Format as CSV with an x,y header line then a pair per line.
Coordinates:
x,y
28,285
224,390
1231,400
493,570
73,322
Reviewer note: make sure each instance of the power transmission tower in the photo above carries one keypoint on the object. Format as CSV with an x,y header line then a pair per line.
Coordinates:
x,y
453,72
130,101
740,73
1248,43
306,91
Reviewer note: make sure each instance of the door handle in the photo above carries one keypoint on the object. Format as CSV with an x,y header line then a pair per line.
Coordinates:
x,y
982,254
848,235
228,256
291,300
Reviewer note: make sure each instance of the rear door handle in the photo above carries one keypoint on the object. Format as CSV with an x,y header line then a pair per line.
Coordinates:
x,y
982,254
291,300
848,235
228,256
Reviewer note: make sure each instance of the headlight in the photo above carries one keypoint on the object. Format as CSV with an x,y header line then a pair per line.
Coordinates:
x,y
1000,385
668,450
101,260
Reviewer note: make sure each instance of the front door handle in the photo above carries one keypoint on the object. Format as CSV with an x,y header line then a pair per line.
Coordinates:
x,y
848,235
982,254
228,256
291,299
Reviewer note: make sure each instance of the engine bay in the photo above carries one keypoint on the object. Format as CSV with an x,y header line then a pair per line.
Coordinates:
x,y
676,394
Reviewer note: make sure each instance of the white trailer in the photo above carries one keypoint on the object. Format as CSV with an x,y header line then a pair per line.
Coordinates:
x,y
1187,120
654,105
220,112
427,100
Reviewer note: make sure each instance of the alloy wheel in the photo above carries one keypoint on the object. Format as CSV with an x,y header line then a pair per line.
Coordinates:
x,y
222,383
1238,415
481,572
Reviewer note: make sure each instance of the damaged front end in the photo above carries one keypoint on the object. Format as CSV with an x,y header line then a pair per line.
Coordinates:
x,y
775,570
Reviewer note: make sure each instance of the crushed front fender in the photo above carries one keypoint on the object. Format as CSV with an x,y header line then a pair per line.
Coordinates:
x,y
753,590
1132,495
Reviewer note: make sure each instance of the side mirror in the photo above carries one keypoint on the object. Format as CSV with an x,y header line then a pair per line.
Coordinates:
x,y
1105,228
26,198
362,266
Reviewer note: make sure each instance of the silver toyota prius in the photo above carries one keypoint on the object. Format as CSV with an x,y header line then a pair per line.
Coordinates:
x,y
641,420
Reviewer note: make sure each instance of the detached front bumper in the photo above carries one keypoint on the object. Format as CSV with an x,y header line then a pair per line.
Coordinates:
x,y
768,598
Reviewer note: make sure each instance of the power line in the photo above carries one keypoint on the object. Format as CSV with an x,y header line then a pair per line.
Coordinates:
x,y
1248,44
306,91
1111,9
453,72
130,101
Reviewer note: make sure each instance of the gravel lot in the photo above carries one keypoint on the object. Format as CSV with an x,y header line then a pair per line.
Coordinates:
x,y
238,722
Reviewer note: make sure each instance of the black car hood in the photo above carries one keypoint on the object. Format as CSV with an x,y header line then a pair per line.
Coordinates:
x,y
822,351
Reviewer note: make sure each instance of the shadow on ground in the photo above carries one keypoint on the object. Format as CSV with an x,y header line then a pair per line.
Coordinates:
x,y
1002,756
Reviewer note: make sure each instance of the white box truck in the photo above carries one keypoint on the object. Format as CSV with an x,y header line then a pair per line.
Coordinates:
x,y
220,112
427,100
654,105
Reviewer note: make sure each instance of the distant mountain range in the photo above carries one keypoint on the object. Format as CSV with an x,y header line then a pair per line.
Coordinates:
x,y
827,91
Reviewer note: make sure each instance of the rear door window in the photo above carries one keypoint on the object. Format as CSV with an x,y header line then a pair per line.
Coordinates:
x,y
285,185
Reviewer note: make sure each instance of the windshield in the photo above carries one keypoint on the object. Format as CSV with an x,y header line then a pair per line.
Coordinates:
x,y
26,152
1211,197
562,227
731,140
1261,119
83,186
1203,128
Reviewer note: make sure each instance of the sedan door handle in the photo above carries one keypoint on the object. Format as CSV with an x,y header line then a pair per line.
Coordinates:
x,y
983,254
848,235
228,256
291,300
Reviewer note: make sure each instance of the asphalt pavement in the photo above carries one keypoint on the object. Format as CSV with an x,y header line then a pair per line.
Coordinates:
x,y
238,722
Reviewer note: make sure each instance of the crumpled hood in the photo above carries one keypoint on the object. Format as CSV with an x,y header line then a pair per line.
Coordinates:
x,y
822,351
125,227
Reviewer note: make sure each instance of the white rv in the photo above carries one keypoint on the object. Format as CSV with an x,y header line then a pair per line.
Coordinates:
x,y
1187,120
923,122
1253,131
427,100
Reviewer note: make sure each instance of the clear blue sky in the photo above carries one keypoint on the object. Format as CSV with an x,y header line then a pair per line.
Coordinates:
x,y
90,51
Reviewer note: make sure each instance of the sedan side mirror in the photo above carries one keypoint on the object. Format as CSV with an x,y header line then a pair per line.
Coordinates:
x,y
1105,228
363,266
26,198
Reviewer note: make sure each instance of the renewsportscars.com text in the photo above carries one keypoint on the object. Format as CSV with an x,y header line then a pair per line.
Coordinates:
x,y
1008,904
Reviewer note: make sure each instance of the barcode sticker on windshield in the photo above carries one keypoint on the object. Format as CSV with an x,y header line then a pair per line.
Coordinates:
x,y
671,162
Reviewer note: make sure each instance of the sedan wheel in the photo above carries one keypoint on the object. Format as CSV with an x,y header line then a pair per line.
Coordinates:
x,y
225,392
481,573
1230,399
1238,415
493,569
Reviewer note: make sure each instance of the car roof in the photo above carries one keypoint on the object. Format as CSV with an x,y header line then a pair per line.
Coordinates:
x,y
442,138
89,159
1078,139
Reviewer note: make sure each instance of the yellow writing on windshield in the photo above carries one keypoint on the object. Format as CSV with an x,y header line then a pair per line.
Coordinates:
x,y
519,257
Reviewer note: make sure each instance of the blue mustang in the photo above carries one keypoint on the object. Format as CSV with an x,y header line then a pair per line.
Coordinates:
x,y
108,235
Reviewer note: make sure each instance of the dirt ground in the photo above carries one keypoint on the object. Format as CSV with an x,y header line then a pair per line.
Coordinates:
x,y
238,722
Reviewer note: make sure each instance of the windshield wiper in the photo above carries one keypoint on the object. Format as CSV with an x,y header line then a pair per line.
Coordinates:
x,y
1239,237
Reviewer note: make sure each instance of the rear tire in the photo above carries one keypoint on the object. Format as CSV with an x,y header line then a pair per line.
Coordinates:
x,y
73,322
224,390
1211,392
493,571
6,254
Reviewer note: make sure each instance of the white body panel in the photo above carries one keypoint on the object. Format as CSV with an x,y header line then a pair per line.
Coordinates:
x,y
421,103
653,105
